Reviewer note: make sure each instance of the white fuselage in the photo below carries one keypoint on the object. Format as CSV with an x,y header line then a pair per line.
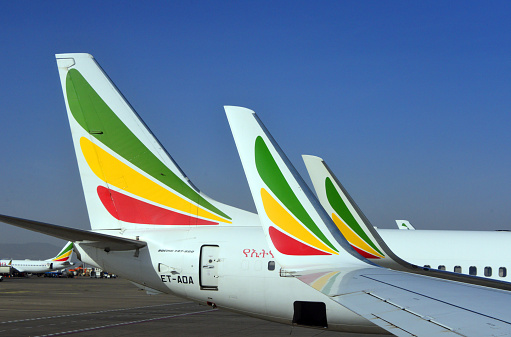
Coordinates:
x,y
225,267
485,253
34,266
231,267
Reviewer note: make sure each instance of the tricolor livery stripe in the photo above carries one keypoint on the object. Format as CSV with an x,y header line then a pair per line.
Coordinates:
x,y
96,117
128,209
115,173
322,281
289,246
291,216
279,215
348,225
65,253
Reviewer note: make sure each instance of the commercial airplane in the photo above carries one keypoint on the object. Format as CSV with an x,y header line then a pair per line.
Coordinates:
x,y
476,253
61,261
404,224
289,263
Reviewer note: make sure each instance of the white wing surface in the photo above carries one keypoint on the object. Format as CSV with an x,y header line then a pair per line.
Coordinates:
x,y
309,245
413,305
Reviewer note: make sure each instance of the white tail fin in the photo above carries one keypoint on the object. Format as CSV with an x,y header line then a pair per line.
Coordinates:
x,y
404,224
349,218
296,226
346,215
128,178
65,254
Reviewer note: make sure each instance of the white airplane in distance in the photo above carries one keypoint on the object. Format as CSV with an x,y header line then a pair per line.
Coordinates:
x,y
475,253
404,224
61,261
289,263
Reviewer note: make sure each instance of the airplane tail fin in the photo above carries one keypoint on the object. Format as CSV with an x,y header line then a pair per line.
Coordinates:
x,y
349,218
128,178
404,224
346,215
297,228
65,254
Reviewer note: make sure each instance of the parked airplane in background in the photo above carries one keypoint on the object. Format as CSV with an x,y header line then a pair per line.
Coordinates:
x,y
289,263
61,261
404,224
476,253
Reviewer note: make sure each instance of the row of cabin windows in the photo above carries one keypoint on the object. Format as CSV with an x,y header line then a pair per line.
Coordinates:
x,y
472,270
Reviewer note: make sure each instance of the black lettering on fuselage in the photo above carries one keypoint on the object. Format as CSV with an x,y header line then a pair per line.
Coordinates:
x,y
180,279
185,279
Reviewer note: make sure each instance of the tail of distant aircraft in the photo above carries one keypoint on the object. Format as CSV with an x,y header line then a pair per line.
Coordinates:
x,y
404,224
65,254
129,180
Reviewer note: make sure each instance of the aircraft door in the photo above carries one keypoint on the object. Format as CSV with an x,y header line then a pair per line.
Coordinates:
x,y
208,269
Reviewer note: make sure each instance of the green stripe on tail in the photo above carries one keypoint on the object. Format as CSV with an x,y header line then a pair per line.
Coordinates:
x,y
96,117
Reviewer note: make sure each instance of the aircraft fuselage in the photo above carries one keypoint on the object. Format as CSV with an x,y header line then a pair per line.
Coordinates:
x,y
230,268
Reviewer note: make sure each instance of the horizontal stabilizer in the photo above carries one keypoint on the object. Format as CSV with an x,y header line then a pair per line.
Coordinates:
x,y
103,241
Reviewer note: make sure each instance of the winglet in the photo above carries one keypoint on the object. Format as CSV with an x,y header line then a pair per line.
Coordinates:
x,y
296,226
349,218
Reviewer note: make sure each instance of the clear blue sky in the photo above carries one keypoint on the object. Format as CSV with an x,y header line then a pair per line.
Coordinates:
x,y
408,102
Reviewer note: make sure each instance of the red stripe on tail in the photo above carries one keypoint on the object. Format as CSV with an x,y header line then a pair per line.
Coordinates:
x,y
128,209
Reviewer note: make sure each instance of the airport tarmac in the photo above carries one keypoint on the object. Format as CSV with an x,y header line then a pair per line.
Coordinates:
x,y
37,306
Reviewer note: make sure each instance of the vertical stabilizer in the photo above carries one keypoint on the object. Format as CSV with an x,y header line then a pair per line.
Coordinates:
x,y
349,218
346,215
65,254
129,180
297,228
404,224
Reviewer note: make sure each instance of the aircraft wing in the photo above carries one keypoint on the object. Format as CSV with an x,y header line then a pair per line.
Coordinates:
x,y
98,240
308,245
411,305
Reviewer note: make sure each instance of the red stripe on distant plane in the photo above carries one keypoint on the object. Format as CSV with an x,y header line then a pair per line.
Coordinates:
x,y
365,254
289,246
128,209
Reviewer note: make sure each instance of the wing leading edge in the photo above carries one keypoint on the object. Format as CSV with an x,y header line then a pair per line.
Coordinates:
x,y
98,240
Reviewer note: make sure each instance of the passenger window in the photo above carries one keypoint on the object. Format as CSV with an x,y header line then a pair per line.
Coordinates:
x,y
271,265
472,270
487,271
441,267
502,272
457,269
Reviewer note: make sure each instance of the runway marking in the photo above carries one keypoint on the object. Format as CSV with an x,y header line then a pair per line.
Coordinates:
x,y
92,312
124,323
